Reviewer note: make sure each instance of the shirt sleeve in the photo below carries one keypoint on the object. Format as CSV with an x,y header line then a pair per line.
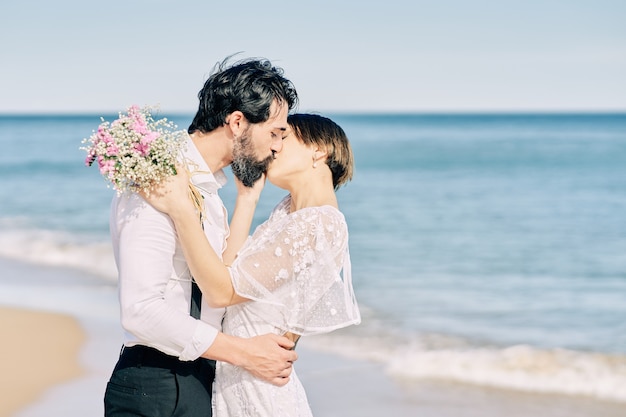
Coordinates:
x,y
144,243
299,268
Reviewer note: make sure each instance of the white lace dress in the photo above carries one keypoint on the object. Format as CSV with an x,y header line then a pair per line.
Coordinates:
x,y
295,269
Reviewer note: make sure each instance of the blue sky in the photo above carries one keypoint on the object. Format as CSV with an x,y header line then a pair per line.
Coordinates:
x,y
414,55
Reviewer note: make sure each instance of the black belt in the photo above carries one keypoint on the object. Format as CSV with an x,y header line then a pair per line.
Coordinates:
x,y
140,355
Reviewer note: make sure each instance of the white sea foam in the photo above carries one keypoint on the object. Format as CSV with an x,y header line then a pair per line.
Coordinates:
x,y
521,367
404,353
62,249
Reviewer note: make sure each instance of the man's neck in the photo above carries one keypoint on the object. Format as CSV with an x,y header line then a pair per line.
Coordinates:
x,y
215,147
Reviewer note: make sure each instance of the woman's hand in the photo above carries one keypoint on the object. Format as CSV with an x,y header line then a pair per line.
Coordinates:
x,y
172,194
251,194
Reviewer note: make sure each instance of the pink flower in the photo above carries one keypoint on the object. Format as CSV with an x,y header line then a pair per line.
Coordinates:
x,y
139,123
143,147
133,111
140,127
133,149
150,137
104,135
90,158
112,149
107,166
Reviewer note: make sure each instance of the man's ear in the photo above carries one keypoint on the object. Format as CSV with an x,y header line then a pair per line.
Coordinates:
x,y
237,123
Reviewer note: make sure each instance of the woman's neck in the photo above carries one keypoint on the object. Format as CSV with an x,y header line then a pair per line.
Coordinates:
x,y
313,194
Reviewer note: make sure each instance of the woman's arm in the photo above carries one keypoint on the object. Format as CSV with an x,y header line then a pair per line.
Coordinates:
x,y
240,223
212,276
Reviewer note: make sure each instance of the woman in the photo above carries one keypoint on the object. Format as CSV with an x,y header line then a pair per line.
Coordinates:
x,y
292,276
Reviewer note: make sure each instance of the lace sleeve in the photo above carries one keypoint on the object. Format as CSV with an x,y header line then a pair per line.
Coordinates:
x,y
300,265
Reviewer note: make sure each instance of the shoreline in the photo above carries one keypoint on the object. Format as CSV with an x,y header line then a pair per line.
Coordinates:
x,y
84,309
342,387
44,352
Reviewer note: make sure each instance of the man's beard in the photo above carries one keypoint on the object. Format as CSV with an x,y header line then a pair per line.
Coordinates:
x,y
245,166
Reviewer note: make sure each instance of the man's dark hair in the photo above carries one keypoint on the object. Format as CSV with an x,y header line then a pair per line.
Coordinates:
x,y
249,86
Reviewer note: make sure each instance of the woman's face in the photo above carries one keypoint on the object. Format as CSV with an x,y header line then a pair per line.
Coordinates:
x,y
293,161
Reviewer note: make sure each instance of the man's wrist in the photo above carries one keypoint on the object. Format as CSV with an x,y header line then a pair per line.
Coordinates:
x,y
227,348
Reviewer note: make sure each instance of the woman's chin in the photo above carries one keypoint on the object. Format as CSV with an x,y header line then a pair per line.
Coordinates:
x,y
277,184
274,181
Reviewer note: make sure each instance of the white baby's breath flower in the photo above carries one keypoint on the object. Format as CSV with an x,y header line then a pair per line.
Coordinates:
x,y
135,151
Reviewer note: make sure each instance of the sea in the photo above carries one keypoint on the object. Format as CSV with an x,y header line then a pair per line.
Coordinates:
x,y
487,249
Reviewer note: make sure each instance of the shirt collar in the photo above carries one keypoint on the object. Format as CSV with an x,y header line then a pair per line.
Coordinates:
x,y
201,175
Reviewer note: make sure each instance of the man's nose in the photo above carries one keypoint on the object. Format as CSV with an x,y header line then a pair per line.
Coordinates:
x,y
277,145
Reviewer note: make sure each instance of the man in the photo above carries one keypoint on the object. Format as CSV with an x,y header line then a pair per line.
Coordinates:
x,y
166,366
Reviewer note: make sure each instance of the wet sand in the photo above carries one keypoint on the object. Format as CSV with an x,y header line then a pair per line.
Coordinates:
x,y
58,364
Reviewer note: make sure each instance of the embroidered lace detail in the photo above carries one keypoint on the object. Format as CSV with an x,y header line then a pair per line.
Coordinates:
x,y
296,269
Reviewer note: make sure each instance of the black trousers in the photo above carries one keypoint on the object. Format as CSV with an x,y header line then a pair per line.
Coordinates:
x,y
149,383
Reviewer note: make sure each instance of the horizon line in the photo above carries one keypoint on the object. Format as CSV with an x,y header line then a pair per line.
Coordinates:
x,y
348,112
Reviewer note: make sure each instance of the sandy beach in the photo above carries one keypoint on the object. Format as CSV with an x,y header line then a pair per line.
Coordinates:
x,y
336,386
65,345
44,351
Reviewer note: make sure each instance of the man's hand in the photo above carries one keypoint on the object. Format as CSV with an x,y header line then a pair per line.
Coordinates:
x,y
269,358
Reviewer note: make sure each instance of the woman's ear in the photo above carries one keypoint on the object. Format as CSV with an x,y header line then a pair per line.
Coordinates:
x,y
319,155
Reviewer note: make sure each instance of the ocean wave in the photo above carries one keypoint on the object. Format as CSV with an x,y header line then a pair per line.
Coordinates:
x,y
413,356
405,353
57,248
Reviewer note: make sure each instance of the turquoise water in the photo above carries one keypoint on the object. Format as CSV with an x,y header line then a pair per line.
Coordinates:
x,y
468,232
502,228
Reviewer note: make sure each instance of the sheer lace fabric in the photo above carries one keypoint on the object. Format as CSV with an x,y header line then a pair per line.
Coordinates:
x,y
296,271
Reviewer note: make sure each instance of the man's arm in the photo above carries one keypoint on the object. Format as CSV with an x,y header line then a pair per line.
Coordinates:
x,y
144,241
266,357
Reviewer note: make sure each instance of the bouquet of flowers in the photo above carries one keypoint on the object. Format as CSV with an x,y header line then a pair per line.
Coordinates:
x,y
134,152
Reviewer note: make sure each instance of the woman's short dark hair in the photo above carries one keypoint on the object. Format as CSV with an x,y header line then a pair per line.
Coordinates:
x,y
249,86
313,129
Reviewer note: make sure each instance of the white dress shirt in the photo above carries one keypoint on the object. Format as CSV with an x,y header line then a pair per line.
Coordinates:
x,y
154,279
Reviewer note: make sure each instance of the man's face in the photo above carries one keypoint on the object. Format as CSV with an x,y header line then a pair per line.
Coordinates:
x,y
254,150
